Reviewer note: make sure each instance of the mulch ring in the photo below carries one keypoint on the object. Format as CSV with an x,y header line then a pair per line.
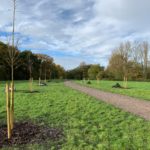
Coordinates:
x,y
29,133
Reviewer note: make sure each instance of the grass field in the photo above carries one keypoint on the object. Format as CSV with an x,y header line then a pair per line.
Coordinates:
x,y
88,124
135,89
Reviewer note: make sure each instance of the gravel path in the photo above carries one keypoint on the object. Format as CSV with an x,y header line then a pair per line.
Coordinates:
x,y
129,104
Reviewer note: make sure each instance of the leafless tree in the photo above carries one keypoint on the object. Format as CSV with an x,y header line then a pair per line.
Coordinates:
x,y
82,66
46,61
125,52
141,52
12,50
145,58
11,59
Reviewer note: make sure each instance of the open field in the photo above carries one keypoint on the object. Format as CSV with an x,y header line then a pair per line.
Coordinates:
x,y
135,89
87,123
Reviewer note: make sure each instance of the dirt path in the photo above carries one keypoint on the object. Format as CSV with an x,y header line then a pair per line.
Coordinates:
x,y
129,104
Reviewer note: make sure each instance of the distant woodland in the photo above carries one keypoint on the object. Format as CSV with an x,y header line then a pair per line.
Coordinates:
x,y
129,60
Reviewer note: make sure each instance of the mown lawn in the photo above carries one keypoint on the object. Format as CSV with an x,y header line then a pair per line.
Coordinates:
x,y
135,89
88,124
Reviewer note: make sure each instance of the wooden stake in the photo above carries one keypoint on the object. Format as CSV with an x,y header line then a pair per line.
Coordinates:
x,y
8,111
12,106
30,84
39,80
126,82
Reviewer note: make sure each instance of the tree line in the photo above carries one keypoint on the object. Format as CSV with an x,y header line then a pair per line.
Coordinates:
x,y
27,64
86,71
128,61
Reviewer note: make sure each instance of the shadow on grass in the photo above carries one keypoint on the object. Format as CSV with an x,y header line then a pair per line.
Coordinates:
x,y
56,81
122,88
27,91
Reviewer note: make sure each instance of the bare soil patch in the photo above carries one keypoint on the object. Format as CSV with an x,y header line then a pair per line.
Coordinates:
x,y
29,133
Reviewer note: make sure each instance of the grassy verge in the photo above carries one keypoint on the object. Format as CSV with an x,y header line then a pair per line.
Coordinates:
x,y
87,123
135,89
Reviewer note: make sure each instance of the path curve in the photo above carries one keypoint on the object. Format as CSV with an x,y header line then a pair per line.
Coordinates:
x,y
129,104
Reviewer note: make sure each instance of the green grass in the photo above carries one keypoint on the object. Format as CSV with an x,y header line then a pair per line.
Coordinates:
x,y
88,124
135,89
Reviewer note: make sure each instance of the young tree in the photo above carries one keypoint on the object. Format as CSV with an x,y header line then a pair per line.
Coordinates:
x,y
99,76
30,63
12,61
83,67
13,58
93,71
46,62
12,49
145,58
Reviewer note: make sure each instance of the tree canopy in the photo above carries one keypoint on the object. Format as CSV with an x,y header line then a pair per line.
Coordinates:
x,y
29,64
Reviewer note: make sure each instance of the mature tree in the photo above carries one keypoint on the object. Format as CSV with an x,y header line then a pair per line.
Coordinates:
x,y
60,72
128,60
78,72
115,66
28,65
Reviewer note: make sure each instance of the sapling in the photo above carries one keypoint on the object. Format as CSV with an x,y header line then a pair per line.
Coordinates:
x,y
30,73
12,61
45,62
125,82
99,76
45,75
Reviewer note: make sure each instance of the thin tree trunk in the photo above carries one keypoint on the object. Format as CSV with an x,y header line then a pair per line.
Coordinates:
x,y
45,76
13,41
40,74
12,65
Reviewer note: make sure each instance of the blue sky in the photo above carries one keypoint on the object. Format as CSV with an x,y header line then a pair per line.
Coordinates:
x,y
72,31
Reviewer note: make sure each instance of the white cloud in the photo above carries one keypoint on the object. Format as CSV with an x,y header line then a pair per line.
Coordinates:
x,y
81,27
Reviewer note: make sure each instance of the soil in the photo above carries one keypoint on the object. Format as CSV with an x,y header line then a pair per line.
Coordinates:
x,y
29,133
133,105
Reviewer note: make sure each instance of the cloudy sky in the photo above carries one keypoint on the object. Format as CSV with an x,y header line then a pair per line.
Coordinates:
x,y
72,31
